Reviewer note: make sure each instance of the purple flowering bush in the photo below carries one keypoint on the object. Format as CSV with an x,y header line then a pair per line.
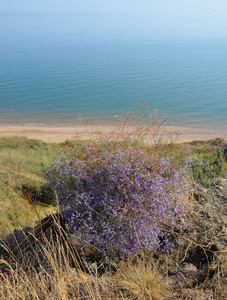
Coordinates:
x,y
119,198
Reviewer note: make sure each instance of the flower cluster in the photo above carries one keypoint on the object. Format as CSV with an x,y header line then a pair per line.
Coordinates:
x,y
118,199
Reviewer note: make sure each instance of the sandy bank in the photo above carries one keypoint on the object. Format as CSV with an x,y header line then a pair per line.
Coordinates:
x,y
60,134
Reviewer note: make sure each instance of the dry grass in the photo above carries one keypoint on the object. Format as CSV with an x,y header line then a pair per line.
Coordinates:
x,y
56,279
46,272
52,269
142,280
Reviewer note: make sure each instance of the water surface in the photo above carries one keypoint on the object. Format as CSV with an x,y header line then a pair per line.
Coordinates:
x,y
50,76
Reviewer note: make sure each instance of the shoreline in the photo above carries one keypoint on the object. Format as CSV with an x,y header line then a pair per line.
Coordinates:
x,y
59,134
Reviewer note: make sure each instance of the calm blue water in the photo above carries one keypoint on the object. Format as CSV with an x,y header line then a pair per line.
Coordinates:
x,y
52,76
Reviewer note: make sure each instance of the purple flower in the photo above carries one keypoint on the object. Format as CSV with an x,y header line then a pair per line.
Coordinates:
x,y
115,197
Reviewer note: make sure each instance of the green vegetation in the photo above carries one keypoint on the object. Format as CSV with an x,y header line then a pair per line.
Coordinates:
x,y
205,168
22,175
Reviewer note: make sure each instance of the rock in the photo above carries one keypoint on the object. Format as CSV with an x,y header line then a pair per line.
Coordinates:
x,y
225,152
220,143
186,268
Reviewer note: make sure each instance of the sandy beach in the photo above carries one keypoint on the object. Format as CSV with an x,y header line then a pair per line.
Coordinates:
x,y
60,134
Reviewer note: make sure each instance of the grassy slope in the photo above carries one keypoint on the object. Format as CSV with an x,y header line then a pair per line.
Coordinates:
x,y
22,164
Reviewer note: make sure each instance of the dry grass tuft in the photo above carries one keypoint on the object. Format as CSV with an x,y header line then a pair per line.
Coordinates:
x,y
142,281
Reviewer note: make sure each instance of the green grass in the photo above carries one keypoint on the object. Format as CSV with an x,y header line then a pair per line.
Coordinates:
x,y
202,149
22,171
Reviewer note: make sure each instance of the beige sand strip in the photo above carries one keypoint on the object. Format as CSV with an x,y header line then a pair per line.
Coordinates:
x,y
60,134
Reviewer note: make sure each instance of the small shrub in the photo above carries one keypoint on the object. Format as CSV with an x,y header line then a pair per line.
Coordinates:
x,y
117,198
207,168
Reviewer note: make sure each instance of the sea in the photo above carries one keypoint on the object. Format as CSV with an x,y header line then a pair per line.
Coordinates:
x,y
51,76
